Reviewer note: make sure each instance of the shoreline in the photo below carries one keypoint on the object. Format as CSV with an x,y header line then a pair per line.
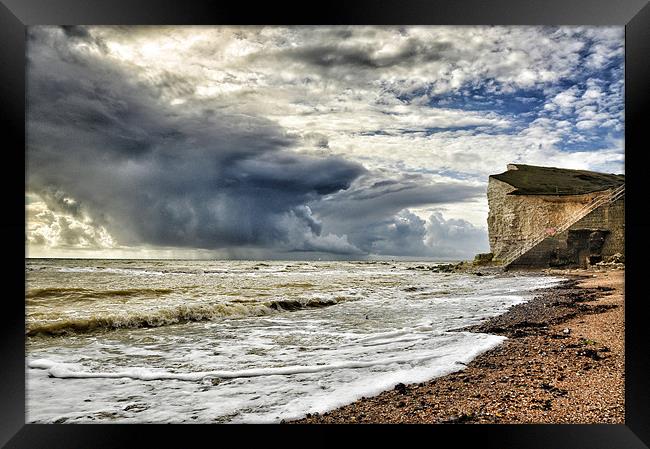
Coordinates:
x,y
563,362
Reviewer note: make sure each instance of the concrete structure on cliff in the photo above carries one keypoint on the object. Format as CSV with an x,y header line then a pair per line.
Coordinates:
x,y
546,216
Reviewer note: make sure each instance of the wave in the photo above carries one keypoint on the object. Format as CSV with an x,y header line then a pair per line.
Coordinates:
x,y
86,293
134,271
295,285
67,371
172,315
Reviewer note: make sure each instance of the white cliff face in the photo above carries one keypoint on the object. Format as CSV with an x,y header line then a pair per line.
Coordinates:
x,y
513,219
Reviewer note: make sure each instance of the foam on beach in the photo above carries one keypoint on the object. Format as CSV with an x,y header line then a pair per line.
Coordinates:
x,y
67,371
242,348
362,378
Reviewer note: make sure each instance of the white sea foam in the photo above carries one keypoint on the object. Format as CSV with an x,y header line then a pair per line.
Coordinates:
x,y
67,371
249,368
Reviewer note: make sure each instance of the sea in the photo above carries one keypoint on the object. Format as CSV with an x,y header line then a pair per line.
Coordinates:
x,y
178,341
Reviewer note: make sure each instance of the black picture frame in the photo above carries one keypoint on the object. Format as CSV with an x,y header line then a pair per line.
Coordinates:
x,y
16,14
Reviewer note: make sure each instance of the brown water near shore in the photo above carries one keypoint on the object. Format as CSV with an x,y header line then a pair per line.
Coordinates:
x,y
563,362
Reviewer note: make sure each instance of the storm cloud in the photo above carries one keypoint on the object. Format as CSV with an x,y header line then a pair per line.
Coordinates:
x,y
368,56
149,174
376,218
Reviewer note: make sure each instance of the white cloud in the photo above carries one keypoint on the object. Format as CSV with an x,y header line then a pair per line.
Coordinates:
x,y
54,230
567,98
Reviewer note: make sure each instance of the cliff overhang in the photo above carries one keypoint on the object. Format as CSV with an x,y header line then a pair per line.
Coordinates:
x,y
535,180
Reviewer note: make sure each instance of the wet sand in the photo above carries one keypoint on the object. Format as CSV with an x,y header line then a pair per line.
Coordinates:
x,y
563,362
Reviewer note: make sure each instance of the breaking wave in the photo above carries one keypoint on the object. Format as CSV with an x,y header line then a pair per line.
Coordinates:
x,y
130,271
172,315
85,293
68,371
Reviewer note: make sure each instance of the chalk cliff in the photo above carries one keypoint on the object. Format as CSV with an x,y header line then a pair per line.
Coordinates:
x,y
527,200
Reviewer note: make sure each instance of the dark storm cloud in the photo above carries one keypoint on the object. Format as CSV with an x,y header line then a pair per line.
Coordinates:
x,y
399,235
406,234
150,173
59,202
374,215
326,55
81,34
370,198
75,31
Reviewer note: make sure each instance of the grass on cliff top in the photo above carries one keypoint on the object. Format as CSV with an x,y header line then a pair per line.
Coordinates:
x,y
533,180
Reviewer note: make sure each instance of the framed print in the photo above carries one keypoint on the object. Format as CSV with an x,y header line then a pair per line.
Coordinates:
x,y
419,213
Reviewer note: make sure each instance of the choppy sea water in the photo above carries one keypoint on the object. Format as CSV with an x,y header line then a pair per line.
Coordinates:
x,y
240,341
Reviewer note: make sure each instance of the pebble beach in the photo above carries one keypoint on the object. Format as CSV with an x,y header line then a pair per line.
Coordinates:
x,y
563,362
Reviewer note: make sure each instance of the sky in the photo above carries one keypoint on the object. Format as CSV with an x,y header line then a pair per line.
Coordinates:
x,y
314,142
